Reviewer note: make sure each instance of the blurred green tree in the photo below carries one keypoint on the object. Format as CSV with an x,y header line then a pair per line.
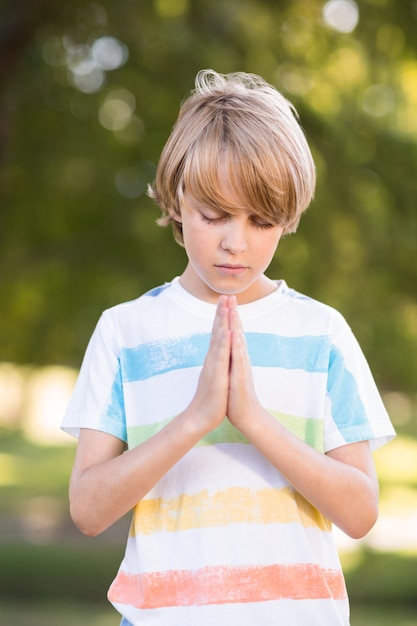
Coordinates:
x,y
89,93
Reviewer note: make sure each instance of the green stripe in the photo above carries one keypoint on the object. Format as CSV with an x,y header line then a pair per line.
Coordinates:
x,y
306,429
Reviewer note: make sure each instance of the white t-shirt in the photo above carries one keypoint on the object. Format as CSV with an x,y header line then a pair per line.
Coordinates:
x,y
223,539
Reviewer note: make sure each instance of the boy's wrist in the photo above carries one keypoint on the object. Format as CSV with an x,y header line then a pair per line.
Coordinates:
x,y
191,426
255,424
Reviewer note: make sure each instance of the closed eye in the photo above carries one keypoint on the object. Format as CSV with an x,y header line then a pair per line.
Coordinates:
x,y
222,218
262,225
213,220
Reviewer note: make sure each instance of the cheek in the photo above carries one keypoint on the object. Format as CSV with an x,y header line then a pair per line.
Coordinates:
x,y
196,237
268,245
276,238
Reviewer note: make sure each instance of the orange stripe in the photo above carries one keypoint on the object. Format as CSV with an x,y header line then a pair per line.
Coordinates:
x,y
225,585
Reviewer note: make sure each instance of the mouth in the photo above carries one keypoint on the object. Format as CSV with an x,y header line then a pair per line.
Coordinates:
x,y
230,269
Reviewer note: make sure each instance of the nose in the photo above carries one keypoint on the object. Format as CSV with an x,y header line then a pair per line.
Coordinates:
x,y
234,237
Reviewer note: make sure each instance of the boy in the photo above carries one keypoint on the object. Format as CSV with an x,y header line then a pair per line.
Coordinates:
x,y
248,410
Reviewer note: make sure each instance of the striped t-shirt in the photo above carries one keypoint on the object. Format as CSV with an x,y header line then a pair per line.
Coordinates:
x,y
223,539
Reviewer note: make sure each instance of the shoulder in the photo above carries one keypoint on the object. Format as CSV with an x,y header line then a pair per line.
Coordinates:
x,y
151,299
312,314
136,320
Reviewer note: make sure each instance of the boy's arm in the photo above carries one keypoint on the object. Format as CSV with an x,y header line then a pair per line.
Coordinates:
x,y
107,482
341,484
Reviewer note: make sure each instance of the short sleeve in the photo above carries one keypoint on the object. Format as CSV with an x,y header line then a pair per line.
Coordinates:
x,y
97,400
354,407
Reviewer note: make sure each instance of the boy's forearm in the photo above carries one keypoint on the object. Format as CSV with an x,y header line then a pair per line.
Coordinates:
x,y
342,484
102,492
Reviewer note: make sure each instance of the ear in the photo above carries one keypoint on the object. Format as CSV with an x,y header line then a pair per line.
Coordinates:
x,y
175,215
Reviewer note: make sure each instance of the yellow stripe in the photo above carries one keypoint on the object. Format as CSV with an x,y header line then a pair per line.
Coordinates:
x,y
231,506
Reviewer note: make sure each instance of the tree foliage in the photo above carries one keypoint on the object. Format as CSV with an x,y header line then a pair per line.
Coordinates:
x,y
89,93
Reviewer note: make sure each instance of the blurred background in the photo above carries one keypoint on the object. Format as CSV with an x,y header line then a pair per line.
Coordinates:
x,y
89,92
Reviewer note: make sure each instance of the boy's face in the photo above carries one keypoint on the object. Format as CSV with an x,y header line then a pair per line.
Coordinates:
x,y
228,253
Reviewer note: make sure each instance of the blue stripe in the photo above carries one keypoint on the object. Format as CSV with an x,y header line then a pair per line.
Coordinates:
x,y
347,407
159,357
309,353
157,290
113,421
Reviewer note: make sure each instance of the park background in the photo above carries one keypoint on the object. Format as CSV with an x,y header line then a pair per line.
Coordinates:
x,y
88,94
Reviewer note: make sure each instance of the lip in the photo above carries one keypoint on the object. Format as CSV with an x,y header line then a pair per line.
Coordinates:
x,y
230,269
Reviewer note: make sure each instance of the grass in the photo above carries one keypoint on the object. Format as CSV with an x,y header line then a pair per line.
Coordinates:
x,y
41,572
76,613
31,471
53,613
383,615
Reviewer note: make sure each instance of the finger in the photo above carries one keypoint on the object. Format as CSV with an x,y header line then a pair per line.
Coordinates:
x,y
235,325
219,347
221,315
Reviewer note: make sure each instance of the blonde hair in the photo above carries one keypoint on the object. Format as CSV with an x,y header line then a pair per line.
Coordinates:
x,y
240,121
